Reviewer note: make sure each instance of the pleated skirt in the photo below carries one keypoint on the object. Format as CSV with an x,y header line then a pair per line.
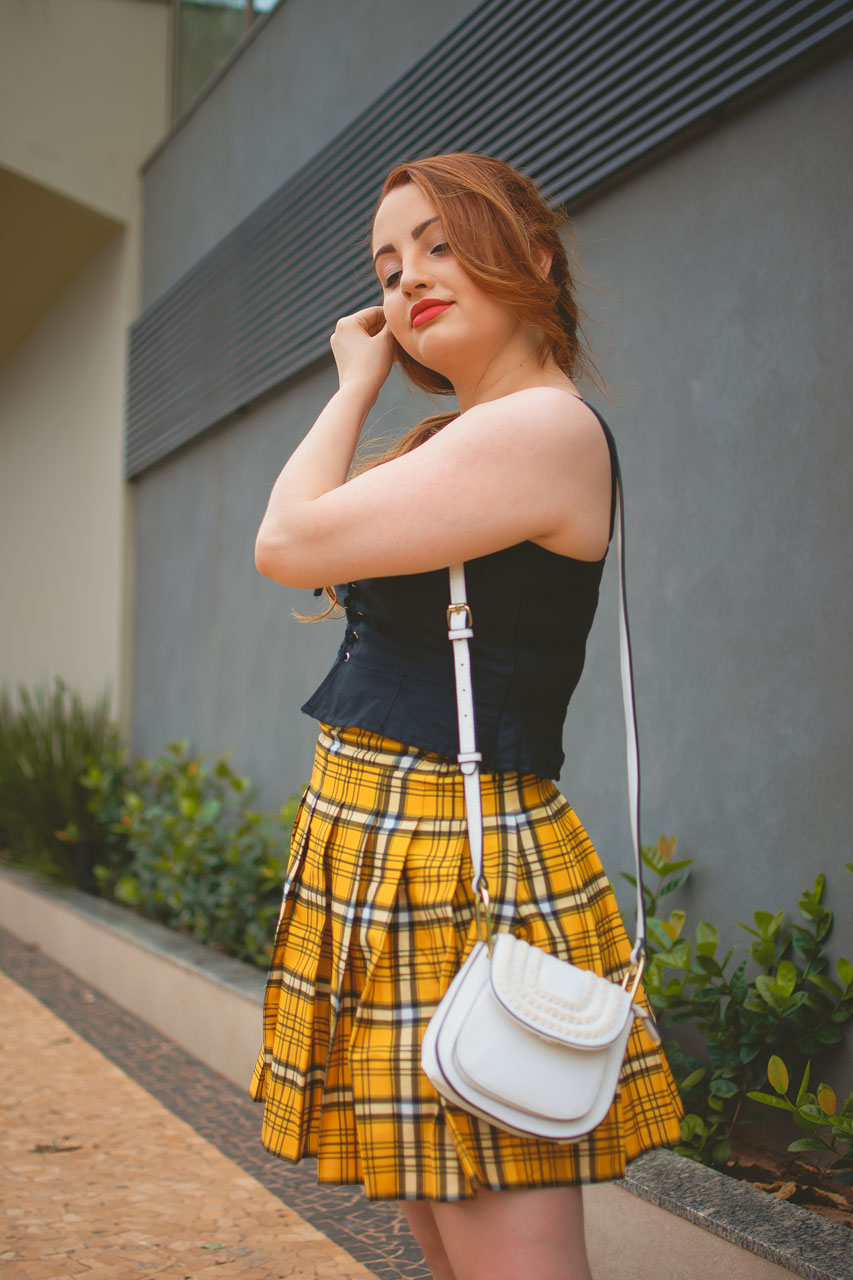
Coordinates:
x,y
377,916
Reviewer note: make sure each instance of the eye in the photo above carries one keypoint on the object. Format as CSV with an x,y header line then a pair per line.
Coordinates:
x,y
391,279
441,247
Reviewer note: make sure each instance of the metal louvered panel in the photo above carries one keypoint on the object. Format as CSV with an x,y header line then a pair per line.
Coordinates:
x,y
571,92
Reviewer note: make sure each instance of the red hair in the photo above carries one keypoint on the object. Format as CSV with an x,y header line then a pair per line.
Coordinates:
x,y
498,226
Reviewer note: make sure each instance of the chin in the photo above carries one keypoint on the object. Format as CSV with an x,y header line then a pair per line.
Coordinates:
x,y
406,356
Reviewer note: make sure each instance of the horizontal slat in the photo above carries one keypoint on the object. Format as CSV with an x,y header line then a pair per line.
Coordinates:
x,y
570,92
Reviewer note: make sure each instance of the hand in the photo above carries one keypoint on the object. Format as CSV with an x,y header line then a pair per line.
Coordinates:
x,y
363,349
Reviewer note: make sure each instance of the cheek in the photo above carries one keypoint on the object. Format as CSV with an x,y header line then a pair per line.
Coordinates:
x,y
397,319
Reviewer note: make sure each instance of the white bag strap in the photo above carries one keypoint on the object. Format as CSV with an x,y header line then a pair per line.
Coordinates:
x,y
460,631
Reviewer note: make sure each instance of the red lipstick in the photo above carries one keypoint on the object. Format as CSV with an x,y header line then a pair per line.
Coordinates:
x,y
426,309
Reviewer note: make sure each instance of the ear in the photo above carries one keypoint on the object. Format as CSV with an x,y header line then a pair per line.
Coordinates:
x,y
543,258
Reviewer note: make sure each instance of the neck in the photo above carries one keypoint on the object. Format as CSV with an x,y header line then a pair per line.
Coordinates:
x,y
505,374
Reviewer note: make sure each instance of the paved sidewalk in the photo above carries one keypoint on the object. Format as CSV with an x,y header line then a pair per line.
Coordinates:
x,y
101,1178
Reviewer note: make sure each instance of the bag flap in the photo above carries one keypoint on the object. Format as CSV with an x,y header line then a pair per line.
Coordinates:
x,y
555,999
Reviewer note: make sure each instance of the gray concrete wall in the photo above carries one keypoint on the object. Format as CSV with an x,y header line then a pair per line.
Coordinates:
x,y
722,324
723,321
311,70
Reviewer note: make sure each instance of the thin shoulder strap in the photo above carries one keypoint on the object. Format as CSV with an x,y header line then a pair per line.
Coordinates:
x,y
460,631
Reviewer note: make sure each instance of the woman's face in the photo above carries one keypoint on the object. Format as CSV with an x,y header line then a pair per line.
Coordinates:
x,y
433,308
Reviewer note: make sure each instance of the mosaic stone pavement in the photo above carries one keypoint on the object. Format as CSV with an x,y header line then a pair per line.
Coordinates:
x,y
122,1157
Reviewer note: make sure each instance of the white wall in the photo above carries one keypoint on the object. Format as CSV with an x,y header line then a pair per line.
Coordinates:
x,y
61,489
83,99
83,90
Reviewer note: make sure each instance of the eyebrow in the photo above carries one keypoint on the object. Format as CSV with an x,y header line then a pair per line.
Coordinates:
x,y
416,234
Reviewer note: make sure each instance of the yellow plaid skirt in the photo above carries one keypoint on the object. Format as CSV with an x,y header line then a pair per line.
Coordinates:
x,y
377,916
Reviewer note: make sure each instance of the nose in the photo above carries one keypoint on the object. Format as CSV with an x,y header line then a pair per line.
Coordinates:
x,y
415,275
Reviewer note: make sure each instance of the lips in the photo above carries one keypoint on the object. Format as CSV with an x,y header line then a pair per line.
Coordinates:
x,y
427,309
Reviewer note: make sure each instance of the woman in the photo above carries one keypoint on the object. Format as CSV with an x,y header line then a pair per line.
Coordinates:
x,y
377,913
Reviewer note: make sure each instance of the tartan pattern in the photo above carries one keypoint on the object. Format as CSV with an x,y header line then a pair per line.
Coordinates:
x,y
377,916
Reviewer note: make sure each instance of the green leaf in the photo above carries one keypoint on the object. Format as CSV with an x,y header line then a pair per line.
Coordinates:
x,y
689,1081
652,859
678,957
844,969
722,1088
777,1074
210,810
804,1083
786,979
678,866
693,1126
769,1101
825,984
738,982
766,988
823,928
826,1099
721,1152
767,924
707,938
658,934
808,1144
828,1034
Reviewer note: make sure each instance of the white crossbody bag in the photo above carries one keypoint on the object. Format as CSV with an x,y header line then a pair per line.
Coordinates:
x,y
526,1041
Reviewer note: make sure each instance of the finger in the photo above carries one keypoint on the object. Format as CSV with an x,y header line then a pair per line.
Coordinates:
x,y
370,311
371,319
368,320
365,316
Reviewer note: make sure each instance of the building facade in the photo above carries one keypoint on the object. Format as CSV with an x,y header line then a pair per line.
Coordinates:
x,y
703,153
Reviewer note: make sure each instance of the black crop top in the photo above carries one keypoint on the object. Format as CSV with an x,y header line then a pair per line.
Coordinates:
x,y
532,611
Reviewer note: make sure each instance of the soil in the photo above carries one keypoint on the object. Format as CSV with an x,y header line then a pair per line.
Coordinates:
x,y
793,1177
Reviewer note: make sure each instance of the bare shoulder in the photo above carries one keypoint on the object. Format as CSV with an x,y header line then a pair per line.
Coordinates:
x,y
554,441
545,421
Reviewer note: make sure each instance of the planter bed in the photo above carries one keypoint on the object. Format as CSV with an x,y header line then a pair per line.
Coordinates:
x,y
674,1219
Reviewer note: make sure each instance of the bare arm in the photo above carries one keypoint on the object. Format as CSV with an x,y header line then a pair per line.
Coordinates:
x,y
532,465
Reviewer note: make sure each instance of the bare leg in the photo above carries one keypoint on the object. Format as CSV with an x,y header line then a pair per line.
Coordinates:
x,y
512,1235
421,1220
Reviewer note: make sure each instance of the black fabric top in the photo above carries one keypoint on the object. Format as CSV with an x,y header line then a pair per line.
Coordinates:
x,y
532,611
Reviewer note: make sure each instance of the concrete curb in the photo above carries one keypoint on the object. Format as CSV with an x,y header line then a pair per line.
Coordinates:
x,y
206,1002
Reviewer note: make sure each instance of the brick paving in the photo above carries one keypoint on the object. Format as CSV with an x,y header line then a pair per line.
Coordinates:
x,y
122,1157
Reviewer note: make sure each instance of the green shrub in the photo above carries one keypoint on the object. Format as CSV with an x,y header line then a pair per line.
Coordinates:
x,y
48,738
829,1129
789,1004
200,859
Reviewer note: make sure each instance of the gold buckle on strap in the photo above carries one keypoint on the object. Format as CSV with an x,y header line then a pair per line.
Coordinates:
x,y
483,916
638,973
460,608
